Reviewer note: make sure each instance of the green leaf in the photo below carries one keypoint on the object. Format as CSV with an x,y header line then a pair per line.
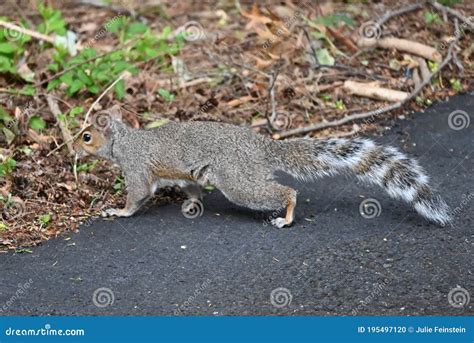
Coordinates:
x,y
75,111
165,94
45,219
334,19
157,123
93,89
37,123
75,86
7,48
53,84
324,57
120,89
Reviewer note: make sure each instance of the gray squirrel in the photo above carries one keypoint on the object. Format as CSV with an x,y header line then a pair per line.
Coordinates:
x,y
241,164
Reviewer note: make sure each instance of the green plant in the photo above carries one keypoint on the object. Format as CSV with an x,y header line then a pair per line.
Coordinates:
x,y
334,20
87,167
119,184
70,118
165,94
456,85
45,219
7,166
3,227
52,21
449,3
36,123
11,48
91,72
432,18
339,105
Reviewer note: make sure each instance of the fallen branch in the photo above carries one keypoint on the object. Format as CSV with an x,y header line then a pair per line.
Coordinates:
x,y
390,14
411,47
343,39
27,32
374,92
364,115
467,22
67,137
425,72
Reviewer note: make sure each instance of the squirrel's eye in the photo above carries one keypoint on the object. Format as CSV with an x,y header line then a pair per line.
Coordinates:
x,y
87,137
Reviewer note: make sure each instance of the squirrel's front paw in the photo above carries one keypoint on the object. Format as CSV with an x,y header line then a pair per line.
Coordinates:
x,y
110,212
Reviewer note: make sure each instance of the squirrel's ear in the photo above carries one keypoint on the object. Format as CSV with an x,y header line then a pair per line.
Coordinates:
x,y
116,113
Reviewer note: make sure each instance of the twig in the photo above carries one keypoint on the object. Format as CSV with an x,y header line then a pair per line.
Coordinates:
x,y
390,14
64,71
466,21
125,74
406,45
364,115
27,32
53,106
271,89
86,118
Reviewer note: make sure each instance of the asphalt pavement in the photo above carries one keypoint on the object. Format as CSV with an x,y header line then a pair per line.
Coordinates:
x,y
333,261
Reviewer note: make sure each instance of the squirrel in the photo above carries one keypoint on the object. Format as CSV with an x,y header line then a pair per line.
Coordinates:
x,y
241,164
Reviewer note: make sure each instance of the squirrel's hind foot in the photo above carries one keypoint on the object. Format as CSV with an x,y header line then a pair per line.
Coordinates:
x,y
281,222
115,212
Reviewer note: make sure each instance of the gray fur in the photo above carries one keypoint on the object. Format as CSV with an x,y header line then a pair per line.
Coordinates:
x,y
241,164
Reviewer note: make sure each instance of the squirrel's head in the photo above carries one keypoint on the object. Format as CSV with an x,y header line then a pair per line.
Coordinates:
x,y
97,139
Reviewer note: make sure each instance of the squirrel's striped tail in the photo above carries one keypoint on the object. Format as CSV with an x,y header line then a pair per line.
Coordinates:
x,y
402,177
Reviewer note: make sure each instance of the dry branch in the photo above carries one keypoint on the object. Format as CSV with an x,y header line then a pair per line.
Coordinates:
x,y
466,22
411,47
370,91
379,111
67,137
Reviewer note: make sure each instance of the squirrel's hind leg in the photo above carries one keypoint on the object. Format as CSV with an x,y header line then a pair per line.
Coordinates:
x,y
262,195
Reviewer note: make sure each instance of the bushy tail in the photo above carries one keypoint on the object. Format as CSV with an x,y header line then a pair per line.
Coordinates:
x,y
402,177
